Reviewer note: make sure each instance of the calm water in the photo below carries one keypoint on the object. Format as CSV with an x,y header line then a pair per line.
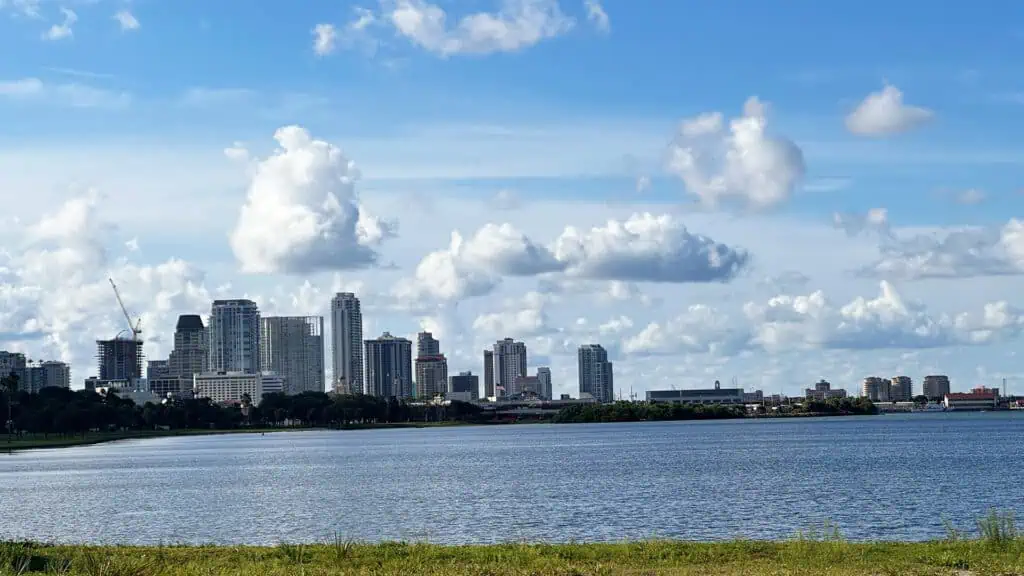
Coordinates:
x,y
886,477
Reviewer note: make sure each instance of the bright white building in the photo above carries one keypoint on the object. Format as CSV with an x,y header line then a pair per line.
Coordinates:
x,y
347,344
223,387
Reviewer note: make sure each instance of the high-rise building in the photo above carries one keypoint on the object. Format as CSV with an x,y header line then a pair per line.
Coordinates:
x,y
431,367
13,363
595,373
347,344
389,367
875,389
191,347
119,360
234,336
48,374
464,387
935,387
544,375
509,360
488,374
293,348
901,389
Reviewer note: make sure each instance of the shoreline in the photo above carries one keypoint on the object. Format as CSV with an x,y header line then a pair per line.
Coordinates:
x,y
804,555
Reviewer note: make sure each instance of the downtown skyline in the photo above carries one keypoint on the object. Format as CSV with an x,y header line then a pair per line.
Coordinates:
x,y
875,230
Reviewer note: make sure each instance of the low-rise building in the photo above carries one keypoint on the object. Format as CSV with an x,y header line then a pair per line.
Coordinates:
x,y
226,387
49,374
935,387
716,395
823,391
970,401
464,387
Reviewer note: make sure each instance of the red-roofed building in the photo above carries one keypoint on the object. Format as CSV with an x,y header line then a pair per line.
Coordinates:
x,y
971,401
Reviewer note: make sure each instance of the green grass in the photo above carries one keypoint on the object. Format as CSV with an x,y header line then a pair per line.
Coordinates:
x,y
799,557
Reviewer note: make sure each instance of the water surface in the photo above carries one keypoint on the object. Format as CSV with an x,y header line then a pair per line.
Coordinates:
x,y
885,477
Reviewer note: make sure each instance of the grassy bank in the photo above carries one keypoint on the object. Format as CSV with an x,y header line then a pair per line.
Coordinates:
x,y
37,441
644,558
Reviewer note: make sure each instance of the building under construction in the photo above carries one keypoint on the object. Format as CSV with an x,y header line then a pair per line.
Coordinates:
x,y
119,359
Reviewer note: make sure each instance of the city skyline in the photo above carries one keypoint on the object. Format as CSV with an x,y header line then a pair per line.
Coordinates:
x,y
771,213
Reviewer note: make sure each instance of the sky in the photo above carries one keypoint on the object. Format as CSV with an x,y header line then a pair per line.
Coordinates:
x,y
731,191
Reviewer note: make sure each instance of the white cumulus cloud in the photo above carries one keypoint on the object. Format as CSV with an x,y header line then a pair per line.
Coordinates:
x,y
126,20
884,113
64,29
325,38
597,16
743,164
302,213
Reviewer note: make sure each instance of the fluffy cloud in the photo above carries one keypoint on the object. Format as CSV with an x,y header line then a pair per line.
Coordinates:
x,y
55,298
648,248
526,317
302,213
884,113
63,30
126,20
643,248
812,322
874,220
744,165
970,197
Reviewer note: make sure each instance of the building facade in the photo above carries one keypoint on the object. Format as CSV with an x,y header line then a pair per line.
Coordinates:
x,y
527,386
119,359
935,387
234,336
875,389
431,367
823,391
191,347
347,344
48,374
13,363
156,369
509,363
488,374
389,367
464,387
595,373
293,348
901,389
544,375
716,395
224,387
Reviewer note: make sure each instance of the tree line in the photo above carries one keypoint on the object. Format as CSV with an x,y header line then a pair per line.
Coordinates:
x,y
68,412
665,411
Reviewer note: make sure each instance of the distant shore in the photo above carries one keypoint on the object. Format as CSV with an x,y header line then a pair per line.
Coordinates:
x,y
800,556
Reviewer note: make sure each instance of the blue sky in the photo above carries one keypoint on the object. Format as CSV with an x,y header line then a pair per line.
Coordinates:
x,y
567,124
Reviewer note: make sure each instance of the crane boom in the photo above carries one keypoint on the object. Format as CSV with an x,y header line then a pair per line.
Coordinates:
x,y
135,329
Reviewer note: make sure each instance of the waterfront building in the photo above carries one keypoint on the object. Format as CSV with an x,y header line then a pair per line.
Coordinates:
x,y
716,395
234,336
971,401
595,373
389,367
544,375
464,387
293,348
431,367
875,389
488,374
935,387
823,391
509,363
901,389
347,344
527,386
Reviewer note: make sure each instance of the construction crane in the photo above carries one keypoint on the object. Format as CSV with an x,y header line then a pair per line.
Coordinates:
x,y
137,328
